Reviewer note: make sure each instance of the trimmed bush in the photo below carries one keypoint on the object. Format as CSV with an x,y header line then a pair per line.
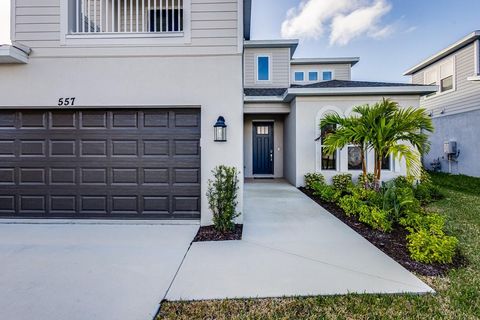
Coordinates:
x,y
366,181
342,182
313,178
428,247
222,195
427,192
350,204
326,193
375,218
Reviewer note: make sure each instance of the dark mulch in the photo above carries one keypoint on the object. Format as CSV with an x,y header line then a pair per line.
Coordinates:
x,y
393,244
211,234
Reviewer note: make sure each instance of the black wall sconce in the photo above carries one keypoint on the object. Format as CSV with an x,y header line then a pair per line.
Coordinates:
x,y
220,130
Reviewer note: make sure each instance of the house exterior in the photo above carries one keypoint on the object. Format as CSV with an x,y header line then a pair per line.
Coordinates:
x,y
108,107
455,107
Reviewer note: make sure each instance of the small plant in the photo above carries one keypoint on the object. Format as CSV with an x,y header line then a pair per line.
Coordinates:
x,y
326,193
366,181
430,247
313,178
222,197
375,218
350,204
342,182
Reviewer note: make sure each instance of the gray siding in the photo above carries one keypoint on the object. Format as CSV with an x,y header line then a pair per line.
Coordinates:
x,y
214,30
466,97
280,67
340,71
464,129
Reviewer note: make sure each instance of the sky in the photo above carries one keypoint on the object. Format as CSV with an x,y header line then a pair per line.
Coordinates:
x,y
389,36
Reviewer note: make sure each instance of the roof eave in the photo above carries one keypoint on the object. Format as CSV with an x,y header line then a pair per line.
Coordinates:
x,y
306,61
12,55
399,90
288,43
445,52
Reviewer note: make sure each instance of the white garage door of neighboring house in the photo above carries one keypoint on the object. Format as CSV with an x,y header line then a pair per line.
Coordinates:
x,y
142,164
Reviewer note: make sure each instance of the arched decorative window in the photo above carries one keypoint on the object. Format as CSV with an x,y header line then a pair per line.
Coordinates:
x,y
324,161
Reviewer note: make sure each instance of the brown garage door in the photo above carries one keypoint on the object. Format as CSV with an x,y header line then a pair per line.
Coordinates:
x,y
142,164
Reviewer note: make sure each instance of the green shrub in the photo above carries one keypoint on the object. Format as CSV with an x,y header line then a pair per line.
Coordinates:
x,y
398,198
428,247
414,220
326,193
222,195
342,181
402,182
375,218
312,178
369,196
350,204
366,181
427,192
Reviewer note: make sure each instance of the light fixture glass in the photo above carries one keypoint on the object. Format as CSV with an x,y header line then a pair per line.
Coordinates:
x,y
220,130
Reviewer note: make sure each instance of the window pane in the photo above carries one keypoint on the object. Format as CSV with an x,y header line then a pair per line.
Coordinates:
x,y
313,76
447,84
326,131
329,161
299,76
262,130
263,68
354,158
327,75
386,163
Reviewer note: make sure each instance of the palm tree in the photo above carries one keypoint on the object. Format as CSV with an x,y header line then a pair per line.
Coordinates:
x,y
400,132
349,130
384,128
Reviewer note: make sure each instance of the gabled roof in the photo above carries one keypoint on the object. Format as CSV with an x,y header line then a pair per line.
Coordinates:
x,y
335,88
445,52
247,16
287,43
305,61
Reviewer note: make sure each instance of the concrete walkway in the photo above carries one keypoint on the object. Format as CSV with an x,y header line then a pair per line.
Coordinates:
x,y
290,247
88,271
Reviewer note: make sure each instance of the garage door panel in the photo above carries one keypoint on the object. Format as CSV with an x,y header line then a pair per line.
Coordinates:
x,y
100,164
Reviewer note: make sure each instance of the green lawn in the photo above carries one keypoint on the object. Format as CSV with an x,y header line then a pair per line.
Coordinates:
x,y
458,294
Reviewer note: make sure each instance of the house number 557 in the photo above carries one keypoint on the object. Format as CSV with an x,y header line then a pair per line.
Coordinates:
x,y
65,102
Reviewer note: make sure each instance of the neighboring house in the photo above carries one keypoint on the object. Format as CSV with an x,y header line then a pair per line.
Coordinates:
x,y
455,107
108,107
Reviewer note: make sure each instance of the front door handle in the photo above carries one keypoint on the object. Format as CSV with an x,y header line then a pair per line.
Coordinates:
x,y
271,155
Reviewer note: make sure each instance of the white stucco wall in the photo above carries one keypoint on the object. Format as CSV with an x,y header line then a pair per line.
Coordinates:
x,y
306,116
277,140
290,151
211,83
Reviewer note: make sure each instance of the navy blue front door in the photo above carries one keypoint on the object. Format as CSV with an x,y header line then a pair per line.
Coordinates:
x,y
262,148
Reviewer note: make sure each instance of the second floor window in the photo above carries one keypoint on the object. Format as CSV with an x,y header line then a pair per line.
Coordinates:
x,y
299,76
327,75
313,76
442,75
263,68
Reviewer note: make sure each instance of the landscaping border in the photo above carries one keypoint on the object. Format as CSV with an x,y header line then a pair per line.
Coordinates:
x,y
394,244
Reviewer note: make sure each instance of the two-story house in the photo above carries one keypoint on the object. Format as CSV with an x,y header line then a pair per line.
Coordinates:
x,y
108,107
455,107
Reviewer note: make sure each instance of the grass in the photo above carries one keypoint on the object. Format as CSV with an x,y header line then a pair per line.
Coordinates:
x,y
457,297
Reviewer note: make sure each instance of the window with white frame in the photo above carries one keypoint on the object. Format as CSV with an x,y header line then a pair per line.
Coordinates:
x,y
263,68
329,161
299,76
354,157
327,75
312,76
442,75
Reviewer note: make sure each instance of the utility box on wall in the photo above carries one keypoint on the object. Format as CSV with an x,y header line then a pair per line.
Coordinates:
x,y
450,147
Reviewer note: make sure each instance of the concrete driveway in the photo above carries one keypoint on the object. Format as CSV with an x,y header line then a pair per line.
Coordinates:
x,y
291,247
88,271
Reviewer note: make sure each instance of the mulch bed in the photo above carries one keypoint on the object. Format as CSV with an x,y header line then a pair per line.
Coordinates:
x,y
394,244
210,234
